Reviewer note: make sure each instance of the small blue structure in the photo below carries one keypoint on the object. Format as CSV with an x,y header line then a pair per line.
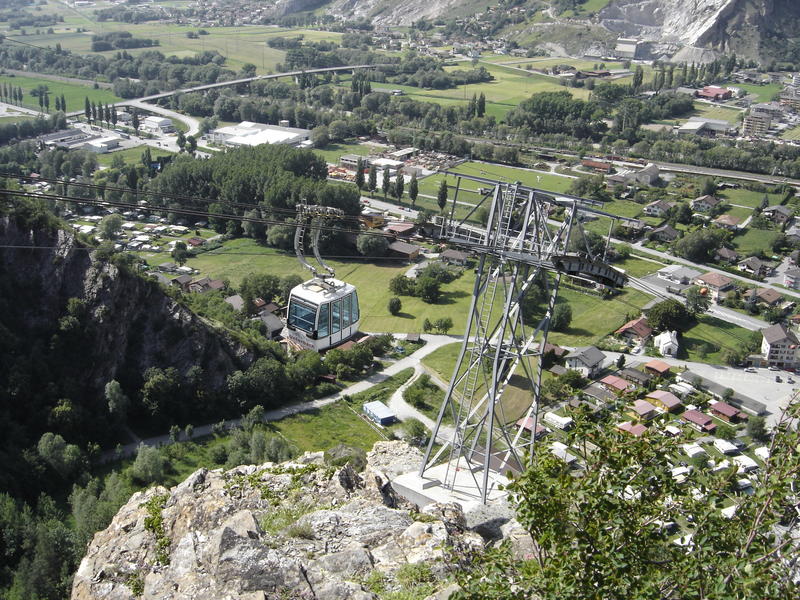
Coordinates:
x,y
379,412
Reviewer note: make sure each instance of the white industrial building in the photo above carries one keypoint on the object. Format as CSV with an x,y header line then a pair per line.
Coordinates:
x,y
158,125
248,133
102,145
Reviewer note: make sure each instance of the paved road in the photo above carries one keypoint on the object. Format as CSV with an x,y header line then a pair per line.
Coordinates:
x,y
432,343
191,122
404,410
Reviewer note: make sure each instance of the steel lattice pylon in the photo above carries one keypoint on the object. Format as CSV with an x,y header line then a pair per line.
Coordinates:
x,y
521,246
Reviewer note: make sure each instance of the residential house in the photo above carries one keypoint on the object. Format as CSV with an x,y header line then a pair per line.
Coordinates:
x,y
616,384
678,274
778,214
636,376
637,430
379,412
404,249
666,400
726,255
272,323
587,360
657,367
182,282
657,209
791,278
667,343
647,176
728,413
715,284
599,393
558,351
201,286
766,296
705,203
400,229
728,222
195,242
665,233
581,405
700,421
779,346
454,257
636,330
755,266
642,410
526,423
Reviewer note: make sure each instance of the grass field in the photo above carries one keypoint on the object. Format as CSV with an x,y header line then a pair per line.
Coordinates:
x,y
129,155
16,119
765,93
713,111
792,134
749,198
74,94
332,152
243,256
717,336
754,240
638,267
736,211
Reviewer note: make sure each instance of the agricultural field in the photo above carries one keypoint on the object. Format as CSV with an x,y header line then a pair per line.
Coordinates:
x,y
240,45
74,94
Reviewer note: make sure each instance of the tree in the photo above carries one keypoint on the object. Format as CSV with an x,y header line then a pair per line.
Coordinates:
x,y
398,186
709,187
562,317
638,77
94,111
699,245
427,326
481,107
372,180
87,108
180,253
696,302
117,400
395,306
287,284
416,433
147,157
757,428
181,141
320,137
443,325
360,174
191,144
386,183
258,285
669,315
441,196
135,119
610,521
413,189
110,226
369,244
427,289
149,465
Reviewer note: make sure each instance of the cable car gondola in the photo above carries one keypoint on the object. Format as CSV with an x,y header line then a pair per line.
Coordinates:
x,y
323,311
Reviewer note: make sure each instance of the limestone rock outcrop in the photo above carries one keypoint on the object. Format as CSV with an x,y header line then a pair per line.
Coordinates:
x,y
299,529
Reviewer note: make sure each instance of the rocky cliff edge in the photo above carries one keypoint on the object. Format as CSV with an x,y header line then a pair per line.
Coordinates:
x,y
296,530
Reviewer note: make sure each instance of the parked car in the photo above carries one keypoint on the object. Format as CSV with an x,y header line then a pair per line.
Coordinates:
x,y
778,378
750,370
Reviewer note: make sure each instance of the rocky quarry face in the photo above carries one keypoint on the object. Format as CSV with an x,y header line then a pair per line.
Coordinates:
x,y
295,530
